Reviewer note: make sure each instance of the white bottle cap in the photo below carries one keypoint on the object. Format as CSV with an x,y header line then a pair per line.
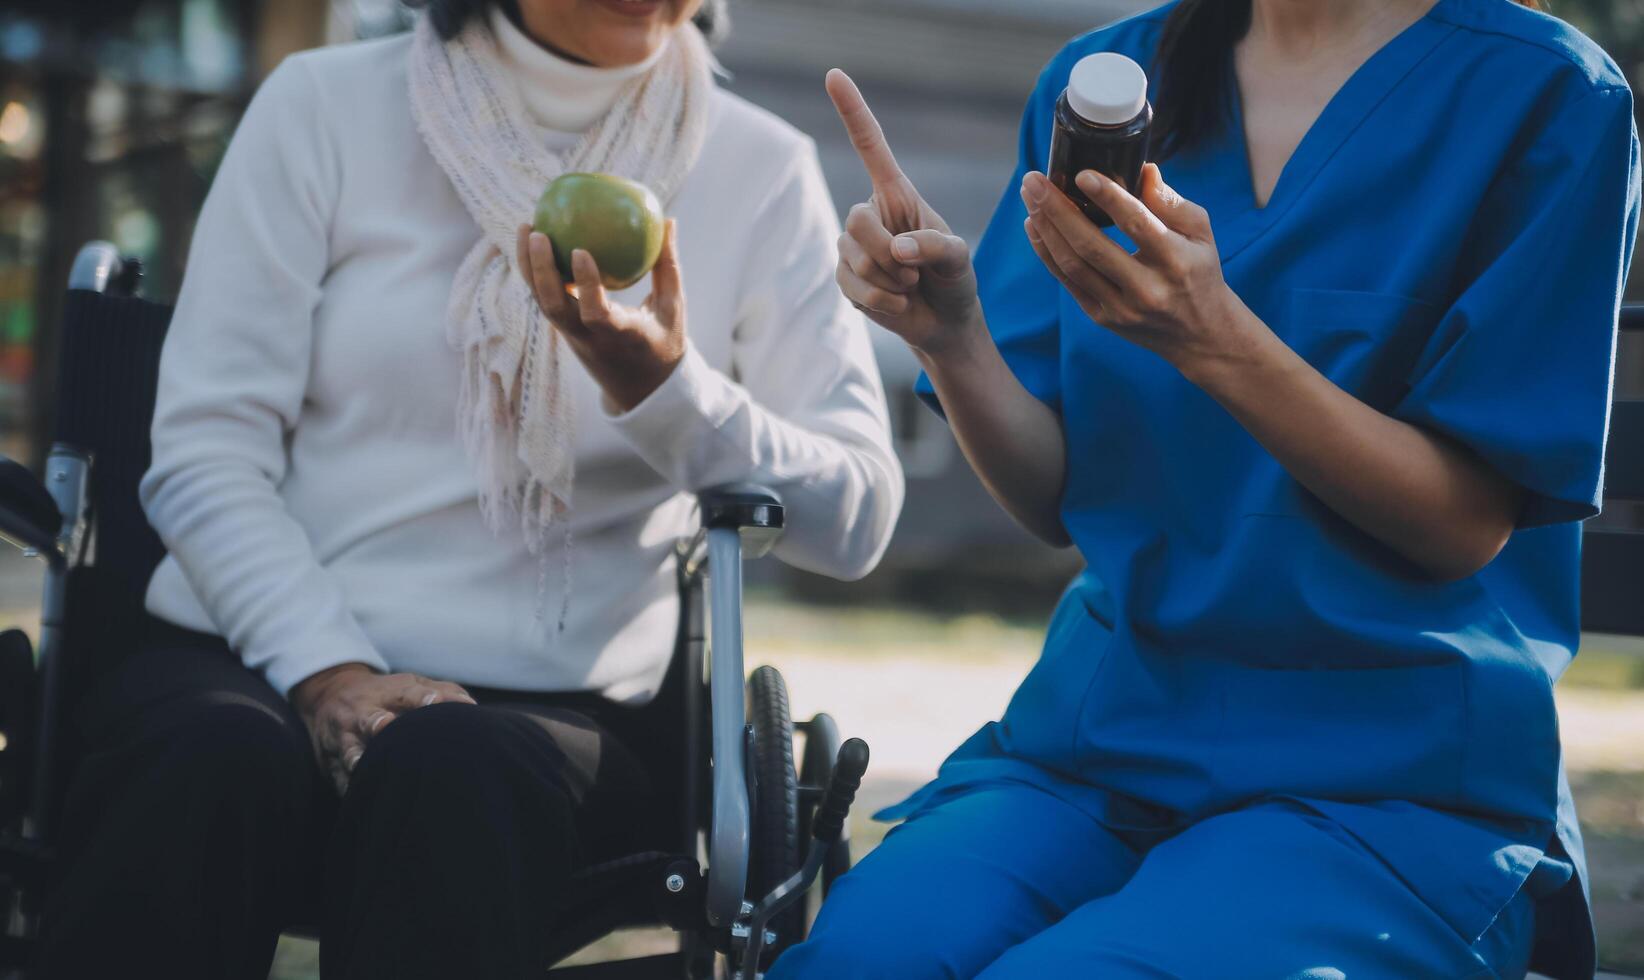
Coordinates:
x,y
1107,89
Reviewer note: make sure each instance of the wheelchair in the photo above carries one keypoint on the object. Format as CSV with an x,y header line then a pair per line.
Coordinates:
x,y
754,831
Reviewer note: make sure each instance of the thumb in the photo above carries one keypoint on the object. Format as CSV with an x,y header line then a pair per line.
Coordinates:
x,y
1175,211
944,254
667,283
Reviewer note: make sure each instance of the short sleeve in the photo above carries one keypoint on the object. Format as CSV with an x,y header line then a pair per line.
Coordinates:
x,y
1020,298
1519,370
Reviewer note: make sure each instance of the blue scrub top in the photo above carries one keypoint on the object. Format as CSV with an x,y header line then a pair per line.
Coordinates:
x,y
1449,244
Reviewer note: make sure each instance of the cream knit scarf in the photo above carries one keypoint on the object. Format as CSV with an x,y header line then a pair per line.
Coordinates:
x,y
516,410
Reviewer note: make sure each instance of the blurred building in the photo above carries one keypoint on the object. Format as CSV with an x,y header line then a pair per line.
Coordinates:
x,y
947,79
113,116
115,113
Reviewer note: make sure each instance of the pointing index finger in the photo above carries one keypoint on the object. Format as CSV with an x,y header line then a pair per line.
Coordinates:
x,y
863,129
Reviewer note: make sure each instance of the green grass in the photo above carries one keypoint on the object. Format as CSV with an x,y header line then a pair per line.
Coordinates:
x,y
1610,663
776,624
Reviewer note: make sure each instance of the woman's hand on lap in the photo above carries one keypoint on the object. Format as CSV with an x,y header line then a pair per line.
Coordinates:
x,y
630,351
899,262
345,706
1169,296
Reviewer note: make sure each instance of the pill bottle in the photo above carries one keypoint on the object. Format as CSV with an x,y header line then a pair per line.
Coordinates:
x,y
1102,122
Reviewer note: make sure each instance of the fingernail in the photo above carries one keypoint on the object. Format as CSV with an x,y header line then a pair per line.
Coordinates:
x,y
1090,181
1033,187
905,247
1032,232
352,759
378,720
429,698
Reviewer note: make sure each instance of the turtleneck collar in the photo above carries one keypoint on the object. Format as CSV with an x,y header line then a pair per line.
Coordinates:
x,y
560,94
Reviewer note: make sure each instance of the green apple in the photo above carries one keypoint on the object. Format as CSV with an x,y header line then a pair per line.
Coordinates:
x,y
617,221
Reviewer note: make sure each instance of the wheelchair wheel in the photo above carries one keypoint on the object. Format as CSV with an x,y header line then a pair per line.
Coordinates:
x,y
775,853
815,772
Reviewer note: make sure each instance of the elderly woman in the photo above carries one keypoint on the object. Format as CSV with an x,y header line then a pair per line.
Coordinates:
x,y
1323,412
420,499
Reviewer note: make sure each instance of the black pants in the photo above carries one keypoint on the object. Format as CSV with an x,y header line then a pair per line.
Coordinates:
x,y
198,827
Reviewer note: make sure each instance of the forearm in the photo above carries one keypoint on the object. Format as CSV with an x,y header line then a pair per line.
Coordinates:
x,y
1426,497
826,451
252,568
1013,440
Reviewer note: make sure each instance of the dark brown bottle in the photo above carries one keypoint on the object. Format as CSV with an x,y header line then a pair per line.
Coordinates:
x,y
1102,122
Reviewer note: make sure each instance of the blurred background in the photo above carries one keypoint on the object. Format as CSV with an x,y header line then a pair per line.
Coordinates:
x,y
115,113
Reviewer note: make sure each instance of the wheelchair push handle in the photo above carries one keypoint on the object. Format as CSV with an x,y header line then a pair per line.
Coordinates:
x,y
826,827
829,821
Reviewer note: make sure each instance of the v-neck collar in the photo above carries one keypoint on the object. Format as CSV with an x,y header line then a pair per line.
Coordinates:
x,y
1228,163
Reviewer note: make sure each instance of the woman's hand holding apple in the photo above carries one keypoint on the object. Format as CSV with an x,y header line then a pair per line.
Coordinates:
x,y
630,351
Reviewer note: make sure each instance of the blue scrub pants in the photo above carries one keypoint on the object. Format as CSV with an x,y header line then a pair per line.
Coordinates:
x,y
1008,881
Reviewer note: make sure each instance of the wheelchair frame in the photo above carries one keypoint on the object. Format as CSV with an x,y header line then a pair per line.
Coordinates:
x,y
712,909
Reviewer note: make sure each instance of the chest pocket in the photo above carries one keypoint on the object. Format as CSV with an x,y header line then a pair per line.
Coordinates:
x,y
1367,343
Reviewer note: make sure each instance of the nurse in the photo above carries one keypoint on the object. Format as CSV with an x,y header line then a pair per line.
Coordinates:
x,y
1322,414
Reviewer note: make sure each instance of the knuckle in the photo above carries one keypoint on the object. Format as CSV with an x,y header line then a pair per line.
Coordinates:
x,y
891,303
1151,299
333,716
1174,265
1085,248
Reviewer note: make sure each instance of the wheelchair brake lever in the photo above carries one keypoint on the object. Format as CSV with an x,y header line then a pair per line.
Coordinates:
x,y
826,828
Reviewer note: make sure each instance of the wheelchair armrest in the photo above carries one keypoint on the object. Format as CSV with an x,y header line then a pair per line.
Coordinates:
x,y
741,505
755,512
29,516
100,268
738,521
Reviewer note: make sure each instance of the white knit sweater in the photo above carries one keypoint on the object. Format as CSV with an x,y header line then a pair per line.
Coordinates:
x,y
308,479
